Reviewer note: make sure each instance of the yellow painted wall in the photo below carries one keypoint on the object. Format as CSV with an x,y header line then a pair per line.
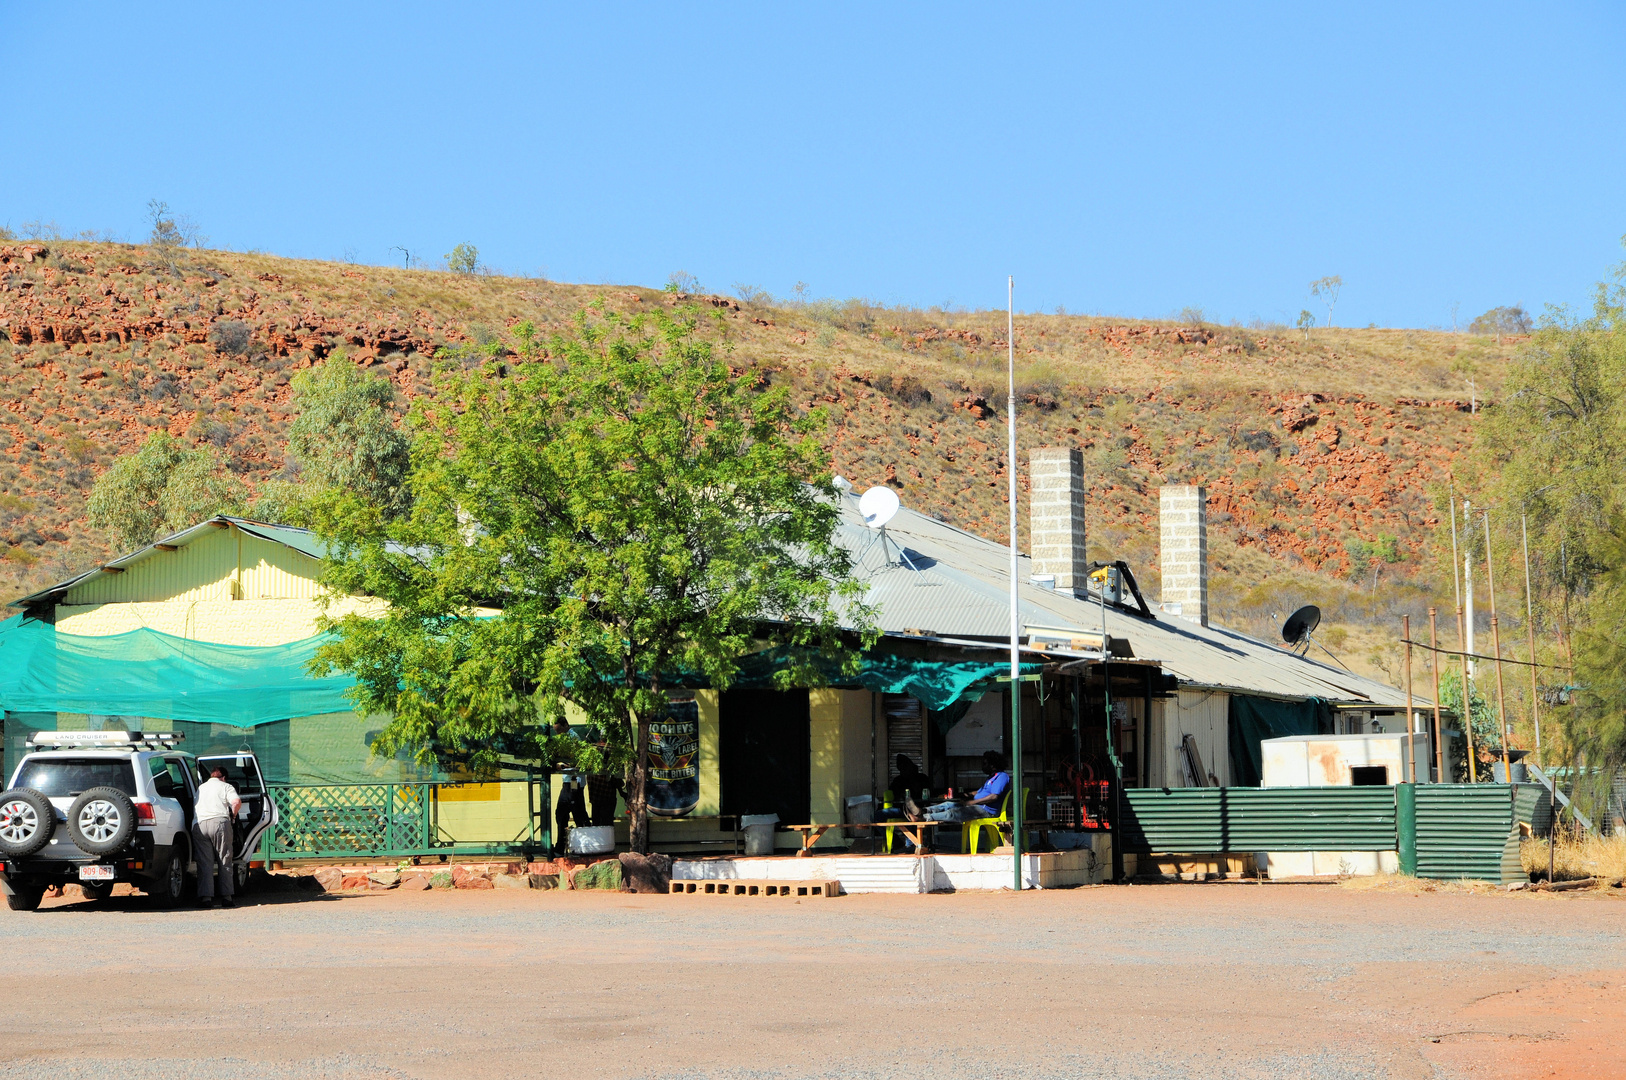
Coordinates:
x,y
839,723
222,564
826,765
711,774
475,813
858,712
225,622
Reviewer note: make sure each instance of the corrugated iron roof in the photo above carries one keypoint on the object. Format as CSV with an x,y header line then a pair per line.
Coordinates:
x,y
927,576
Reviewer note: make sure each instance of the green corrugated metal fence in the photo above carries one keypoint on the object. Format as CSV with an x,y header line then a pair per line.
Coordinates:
x,y
1463,830
1467,831
1259,819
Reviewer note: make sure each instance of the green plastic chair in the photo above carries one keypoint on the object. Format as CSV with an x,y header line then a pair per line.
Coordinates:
x,y
971,831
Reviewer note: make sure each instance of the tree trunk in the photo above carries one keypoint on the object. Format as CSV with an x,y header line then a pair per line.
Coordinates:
x,y
637,793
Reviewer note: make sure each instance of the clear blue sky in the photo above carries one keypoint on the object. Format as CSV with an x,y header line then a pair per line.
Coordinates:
x,y
1133,164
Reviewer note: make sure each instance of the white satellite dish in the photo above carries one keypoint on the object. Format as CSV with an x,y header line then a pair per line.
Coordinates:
x,y
879,505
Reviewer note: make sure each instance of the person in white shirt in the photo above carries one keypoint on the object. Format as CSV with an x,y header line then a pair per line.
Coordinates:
x,y
216,805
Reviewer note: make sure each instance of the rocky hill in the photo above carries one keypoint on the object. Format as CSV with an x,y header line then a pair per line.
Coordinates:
x,y
1320,451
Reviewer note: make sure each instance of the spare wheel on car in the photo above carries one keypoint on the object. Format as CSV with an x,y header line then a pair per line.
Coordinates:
x,y
27,822
101,821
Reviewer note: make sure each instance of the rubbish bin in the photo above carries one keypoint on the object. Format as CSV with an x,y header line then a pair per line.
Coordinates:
x,y
758,832
592,840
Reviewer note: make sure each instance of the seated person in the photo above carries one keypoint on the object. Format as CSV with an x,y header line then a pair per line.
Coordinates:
x,y
986,802
904,796
909,788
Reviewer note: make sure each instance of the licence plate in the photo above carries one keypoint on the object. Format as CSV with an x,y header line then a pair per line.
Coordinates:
x,y
95,873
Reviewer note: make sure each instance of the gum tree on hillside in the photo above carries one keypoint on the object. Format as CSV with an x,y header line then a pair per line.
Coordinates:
x,y
163,487
633,506
343,436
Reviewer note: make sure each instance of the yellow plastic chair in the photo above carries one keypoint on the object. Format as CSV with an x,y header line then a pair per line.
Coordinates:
x,y
886,805
971,831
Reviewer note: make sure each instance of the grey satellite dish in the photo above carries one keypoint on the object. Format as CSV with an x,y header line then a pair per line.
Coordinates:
x,y
1301,624
879,505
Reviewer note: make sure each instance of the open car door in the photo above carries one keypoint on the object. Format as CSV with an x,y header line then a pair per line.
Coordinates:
x,y
258,812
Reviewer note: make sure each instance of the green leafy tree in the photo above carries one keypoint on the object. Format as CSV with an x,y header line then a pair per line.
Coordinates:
x,y
1305,324
635,508
343,437
1551,452
163,487
1502,321
1486,731
463,259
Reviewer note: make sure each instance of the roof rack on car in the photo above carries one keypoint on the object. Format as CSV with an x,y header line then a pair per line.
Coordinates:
x,y
107,740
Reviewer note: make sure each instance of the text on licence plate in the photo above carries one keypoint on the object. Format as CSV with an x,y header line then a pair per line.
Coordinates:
x,y
95,873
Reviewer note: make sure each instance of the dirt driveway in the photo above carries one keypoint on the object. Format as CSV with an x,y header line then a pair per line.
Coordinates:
x,y
1138,981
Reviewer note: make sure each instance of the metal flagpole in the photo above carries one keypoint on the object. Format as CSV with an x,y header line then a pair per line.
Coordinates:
x,y
1434,664
1016,621
1530,626
1411,721
1467,697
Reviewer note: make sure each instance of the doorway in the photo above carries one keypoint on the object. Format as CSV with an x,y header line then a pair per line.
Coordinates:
x,y
764,746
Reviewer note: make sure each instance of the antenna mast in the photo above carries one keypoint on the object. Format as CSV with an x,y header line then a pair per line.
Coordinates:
x,y
1016,799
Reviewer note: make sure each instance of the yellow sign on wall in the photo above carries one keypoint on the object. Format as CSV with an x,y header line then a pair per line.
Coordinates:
x,y
470,792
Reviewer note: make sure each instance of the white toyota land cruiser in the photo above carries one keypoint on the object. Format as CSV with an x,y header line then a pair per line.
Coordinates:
x,y
96,807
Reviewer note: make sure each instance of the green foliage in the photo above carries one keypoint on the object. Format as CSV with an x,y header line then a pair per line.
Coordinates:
x,y
1552,450
633,506
343,437
463,259
1365,553
1486,731
161,488
169,230
1305,324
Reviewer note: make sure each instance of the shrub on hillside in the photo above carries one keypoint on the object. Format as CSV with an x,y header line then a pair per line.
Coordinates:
x,y
231,336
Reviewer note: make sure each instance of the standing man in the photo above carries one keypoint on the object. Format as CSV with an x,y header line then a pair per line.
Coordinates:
x,y
217,805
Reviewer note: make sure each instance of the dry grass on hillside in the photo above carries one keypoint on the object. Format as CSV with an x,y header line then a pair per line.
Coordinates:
x,y
1309,447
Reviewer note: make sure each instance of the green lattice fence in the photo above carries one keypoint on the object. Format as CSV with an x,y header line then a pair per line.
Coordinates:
x,y
373,821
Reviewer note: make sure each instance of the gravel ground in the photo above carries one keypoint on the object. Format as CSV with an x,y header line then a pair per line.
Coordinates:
x,y
1133,982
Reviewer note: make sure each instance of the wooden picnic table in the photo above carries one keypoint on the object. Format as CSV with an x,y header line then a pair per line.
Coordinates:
x,y
914,830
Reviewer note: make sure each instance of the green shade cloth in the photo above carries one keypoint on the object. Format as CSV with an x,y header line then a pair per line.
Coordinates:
x,y
330,748
151,674
146,673
1254,719
936,684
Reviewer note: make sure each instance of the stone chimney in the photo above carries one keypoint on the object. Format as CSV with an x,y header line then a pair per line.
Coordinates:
x,y
1183,525
1056,516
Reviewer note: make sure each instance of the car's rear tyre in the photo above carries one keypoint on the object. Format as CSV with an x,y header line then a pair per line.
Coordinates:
x,y
27,822
169,888
22,896
97,892
102,821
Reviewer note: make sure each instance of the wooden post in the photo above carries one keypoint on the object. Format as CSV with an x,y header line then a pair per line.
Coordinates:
x,y
1411,725
1434,654
1496,644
